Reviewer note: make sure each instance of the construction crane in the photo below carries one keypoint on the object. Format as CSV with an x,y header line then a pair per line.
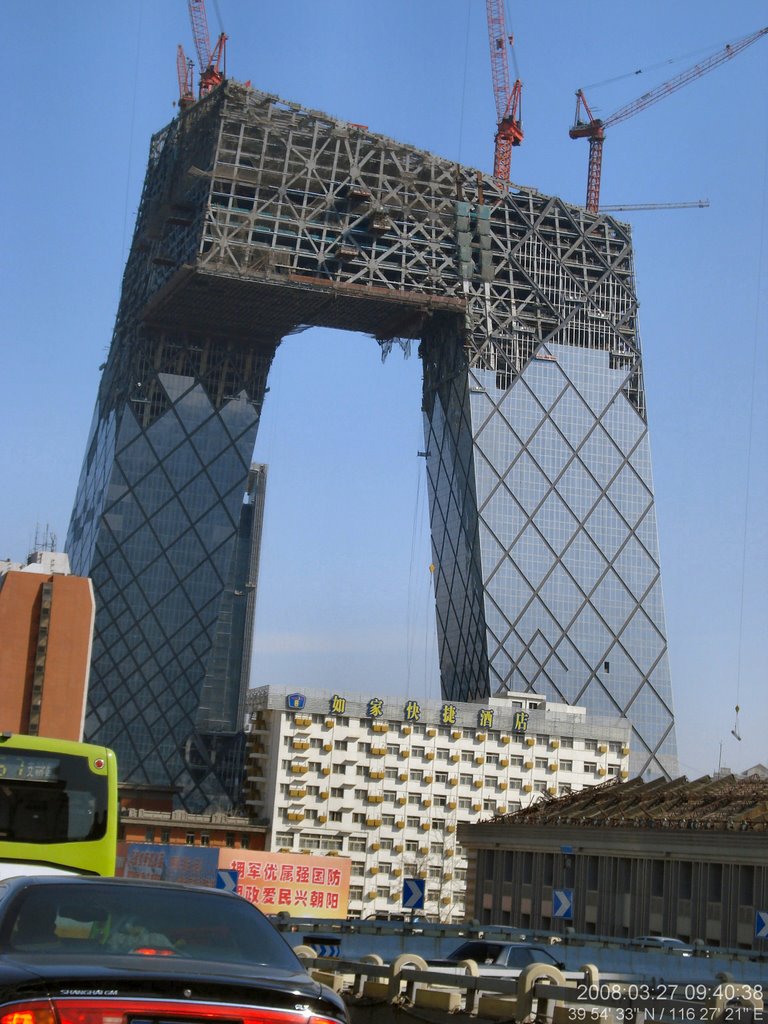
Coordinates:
x,y
593,128
185,70
696,204
509,130
212,60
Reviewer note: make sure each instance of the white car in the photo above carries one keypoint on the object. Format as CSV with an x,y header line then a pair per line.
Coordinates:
x,y
664,942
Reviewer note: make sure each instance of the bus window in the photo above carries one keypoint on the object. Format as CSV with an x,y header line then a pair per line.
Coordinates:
x,y
58,806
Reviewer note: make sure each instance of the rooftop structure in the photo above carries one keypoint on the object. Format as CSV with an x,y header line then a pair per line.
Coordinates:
x,y
387,782
683,859
259,218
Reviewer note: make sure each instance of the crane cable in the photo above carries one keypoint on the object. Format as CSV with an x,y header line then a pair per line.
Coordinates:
x,y
692,54
750,437
464,84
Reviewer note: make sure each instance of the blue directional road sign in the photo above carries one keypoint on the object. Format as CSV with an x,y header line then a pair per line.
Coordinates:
x,y
226,879
562,904
761,924
413,893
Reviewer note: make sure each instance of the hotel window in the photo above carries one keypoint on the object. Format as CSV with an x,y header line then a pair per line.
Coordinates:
x,y
417,751
566,766
491,758
541,762
340,744
411,846
467,756
441,778
388,820
336,816
393,749
357,843
413,822
337,791
465,780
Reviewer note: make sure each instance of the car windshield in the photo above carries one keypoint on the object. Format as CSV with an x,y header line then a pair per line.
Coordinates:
x,y
113,920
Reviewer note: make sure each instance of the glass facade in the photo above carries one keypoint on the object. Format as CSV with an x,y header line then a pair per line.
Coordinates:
x,y
259,218
165,527
544,527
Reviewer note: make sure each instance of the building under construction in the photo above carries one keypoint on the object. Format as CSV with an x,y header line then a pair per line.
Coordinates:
x,y
260,218
685,859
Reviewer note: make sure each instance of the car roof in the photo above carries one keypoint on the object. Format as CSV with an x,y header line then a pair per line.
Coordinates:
x,y
18,882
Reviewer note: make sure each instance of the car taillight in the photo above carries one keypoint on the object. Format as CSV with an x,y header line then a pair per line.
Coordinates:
x,y
28,1013
125,1011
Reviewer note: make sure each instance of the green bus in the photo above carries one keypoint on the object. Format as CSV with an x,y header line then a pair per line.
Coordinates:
x,y
58,807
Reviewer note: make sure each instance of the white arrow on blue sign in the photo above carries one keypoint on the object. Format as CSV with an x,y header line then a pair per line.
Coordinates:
x,y
562,904
227,879
413,893
761,924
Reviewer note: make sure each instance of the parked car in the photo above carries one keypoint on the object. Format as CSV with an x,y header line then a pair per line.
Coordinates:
x,y
506,956
664,942
107,949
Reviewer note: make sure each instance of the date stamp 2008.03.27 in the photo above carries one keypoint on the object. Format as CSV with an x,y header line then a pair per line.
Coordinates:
x,y
729,1003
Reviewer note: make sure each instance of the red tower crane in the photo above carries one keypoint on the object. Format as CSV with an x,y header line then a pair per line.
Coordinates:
x,y
212,60
509,130
593,128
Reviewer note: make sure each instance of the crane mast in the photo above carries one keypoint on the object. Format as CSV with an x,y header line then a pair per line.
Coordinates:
x,y
593,128
211,60
509,130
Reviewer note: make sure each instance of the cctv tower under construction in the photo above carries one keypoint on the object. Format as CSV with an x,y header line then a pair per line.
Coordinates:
x,y
260,218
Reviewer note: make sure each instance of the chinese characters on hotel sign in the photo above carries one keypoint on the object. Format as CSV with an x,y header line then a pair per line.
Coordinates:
x,y
411,711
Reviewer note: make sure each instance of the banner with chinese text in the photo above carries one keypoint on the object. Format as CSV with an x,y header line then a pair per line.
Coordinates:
x,y
298,884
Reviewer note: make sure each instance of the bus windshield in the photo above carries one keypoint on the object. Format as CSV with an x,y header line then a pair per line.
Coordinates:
x,y
58,805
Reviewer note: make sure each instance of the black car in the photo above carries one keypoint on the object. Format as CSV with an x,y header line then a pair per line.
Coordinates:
x,y
120,951
508,955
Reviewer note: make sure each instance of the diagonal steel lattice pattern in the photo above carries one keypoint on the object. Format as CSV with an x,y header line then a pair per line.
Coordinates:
x,y
260,218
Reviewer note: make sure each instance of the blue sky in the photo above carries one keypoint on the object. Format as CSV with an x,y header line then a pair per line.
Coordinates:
x,y
345,595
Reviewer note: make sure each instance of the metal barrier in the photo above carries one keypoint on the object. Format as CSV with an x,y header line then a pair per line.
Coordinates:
x,y
539,993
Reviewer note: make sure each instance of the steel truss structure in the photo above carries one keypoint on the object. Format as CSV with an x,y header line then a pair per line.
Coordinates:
x,y
260,218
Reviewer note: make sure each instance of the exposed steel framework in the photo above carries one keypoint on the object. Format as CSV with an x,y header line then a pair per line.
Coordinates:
x,y
509,130
587,126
